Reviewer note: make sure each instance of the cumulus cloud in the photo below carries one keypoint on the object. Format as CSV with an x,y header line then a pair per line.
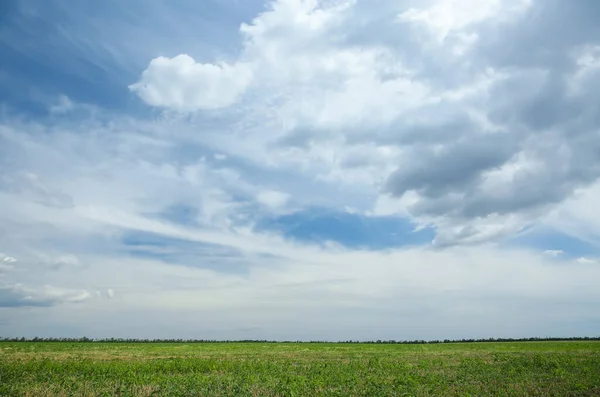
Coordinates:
x,y
481,144
182,84
447,16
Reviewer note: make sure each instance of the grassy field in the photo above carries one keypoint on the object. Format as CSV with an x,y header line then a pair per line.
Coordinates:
x,y
289,369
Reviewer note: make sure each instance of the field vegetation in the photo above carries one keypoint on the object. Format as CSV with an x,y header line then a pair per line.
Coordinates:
x,y
180,368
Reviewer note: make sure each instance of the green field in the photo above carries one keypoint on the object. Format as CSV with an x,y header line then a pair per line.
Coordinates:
x,y
300,369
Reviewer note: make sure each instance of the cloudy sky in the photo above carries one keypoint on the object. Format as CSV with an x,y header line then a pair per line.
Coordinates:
x,y
299,169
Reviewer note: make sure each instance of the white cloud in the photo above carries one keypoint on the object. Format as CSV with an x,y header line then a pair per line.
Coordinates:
x,y
554,253
584,261
445,16
7,259
454,17
63,105
6,263
273,199
291,51
182,84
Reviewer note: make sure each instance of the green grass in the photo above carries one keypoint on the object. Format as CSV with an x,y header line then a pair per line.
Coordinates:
x,y
290,369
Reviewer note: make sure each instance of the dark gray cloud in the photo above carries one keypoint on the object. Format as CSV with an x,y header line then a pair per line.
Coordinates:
x,y
455,167
546,104
542,37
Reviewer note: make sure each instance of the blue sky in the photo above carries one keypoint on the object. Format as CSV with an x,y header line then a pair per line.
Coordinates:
x,y
299,169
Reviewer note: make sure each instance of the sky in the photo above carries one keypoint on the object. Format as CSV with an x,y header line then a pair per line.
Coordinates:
x,y
299,169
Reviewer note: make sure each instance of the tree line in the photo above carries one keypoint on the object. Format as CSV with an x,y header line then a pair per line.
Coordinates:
x,y
405,342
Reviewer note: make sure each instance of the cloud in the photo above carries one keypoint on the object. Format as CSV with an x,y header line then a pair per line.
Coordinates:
x,y
17,295
458,148
332,293
7,259
287,49
30,185
554,253
65,261
584,260
6,262
63,105
444,17
534,164
473,125
182,84
273,198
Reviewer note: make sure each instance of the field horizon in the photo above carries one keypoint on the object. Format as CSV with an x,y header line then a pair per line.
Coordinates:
x,y
490,368
85,339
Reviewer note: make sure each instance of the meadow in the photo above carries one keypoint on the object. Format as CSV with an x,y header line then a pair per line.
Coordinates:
x,y
300,369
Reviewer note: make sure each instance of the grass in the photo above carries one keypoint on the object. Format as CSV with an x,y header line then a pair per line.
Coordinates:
x,y
300,369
